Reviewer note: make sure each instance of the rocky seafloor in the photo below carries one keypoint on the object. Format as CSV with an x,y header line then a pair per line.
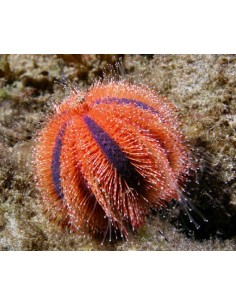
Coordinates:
x,y
203,87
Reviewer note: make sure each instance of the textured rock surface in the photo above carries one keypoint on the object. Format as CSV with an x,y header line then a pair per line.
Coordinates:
x,y
202,86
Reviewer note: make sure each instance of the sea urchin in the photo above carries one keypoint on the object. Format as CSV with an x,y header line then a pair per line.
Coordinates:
x,y
109,155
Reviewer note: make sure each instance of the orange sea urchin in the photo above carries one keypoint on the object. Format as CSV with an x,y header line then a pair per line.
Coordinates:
x,y
109,155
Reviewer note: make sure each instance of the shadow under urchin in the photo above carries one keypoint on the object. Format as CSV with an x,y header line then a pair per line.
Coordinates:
x,y
210,214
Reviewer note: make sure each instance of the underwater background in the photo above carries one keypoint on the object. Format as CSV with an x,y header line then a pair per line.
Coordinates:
x,y
203,87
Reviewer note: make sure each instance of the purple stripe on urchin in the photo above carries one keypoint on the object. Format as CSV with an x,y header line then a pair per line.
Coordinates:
x,y
114,153
55,164
138,104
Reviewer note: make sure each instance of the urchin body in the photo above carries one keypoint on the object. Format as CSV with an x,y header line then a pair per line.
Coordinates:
x,y
109,155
